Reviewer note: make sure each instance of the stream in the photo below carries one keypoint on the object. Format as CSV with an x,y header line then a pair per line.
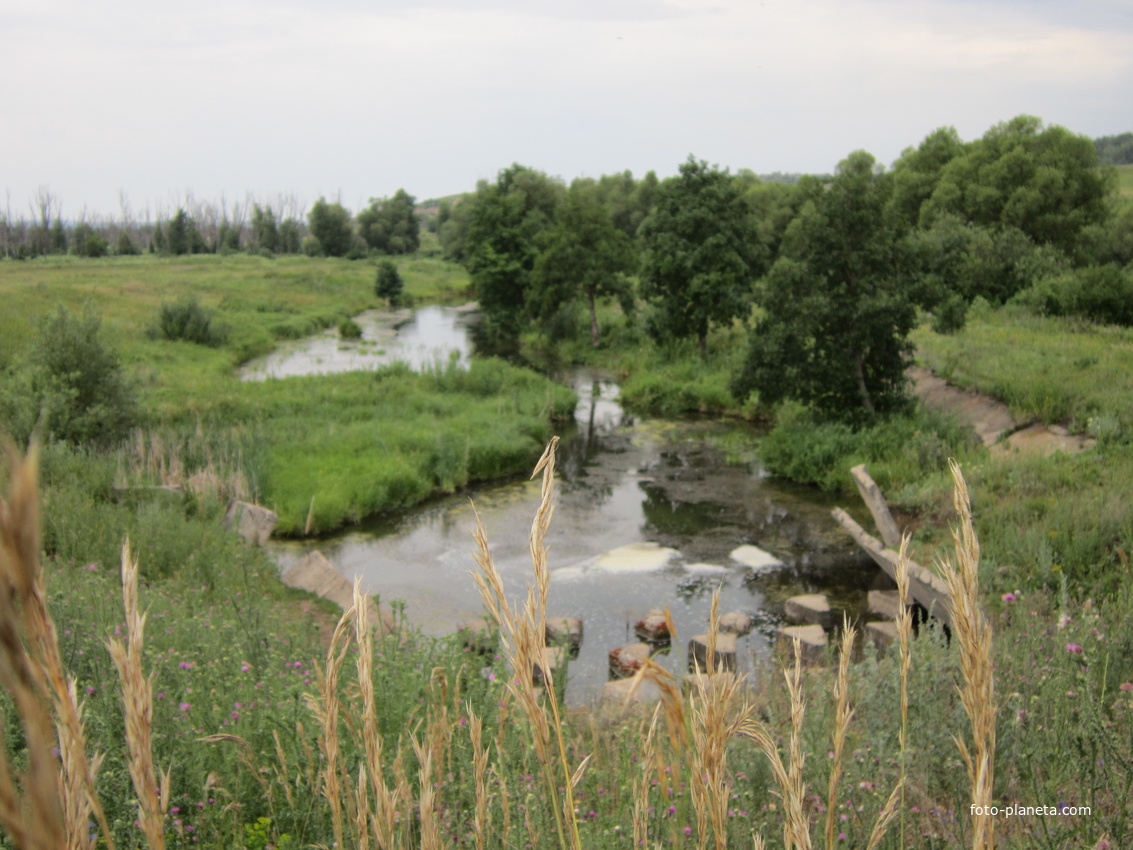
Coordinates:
x,y
622,480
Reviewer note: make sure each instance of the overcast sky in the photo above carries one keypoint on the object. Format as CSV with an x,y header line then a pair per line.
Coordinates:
x,y
360,97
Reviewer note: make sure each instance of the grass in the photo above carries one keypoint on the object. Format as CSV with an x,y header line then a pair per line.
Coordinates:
x,y
260,736
335,448
1124,180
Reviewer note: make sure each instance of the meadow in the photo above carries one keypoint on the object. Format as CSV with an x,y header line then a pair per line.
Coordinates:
x,y
398,436
270,723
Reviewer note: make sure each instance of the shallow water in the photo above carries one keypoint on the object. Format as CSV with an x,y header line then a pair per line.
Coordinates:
x,y
620,481
422,338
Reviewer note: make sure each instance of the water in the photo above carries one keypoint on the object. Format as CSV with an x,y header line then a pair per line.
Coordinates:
x,y
621,481
427,337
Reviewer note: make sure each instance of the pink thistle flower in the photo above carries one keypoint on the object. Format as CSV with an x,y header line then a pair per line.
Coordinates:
x,y
1074,649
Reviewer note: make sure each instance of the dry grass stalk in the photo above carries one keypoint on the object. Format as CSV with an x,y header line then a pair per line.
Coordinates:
x,y
792,791
326,707
718,713
427,806
904,636
30,804
973,633
843,713
480,770
381,818
25,613
137,699
523,631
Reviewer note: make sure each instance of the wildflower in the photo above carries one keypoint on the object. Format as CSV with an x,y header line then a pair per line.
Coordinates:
x,y
1074,649
1008,597
688,830
1127,686
186,665
185,706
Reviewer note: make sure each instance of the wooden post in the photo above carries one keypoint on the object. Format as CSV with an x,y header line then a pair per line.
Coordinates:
x,y
871,495
925,587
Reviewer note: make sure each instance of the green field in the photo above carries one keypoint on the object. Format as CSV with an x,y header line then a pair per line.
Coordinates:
x,y
1125,180
323,451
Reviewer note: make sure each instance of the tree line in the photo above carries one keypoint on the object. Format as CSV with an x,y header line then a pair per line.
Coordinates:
x,y
827,273
385,226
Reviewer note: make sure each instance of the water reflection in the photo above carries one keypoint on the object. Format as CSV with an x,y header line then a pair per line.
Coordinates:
x,y
430,336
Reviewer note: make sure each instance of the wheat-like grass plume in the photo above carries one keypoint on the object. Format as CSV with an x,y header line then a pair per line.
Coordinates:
x,y
34,661
326,708
973,634
843,713
904,636
137,700
523,632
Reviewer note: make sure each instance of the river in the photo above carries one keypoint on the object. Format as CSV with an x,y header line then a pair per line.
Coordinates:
x,y
621,481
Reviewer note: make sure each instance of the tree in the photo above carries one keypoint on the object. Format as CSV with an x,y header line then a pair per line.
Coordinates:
x,y
390,225
389,284
1044,181
584,255
702,253
331,227
504,221
837,305
181,235
265,233
72,384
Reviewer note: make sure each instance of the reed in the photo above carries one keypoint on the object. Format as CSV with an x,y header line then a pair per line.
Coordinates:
x,y
973,634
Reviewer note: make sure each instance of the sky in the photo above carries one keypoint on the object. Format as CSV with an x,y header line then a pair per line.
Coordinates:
x,y
352,99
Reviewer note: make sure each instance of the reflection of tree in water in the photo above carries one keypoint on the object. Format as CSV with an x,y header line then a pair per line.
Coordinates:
x,y
667,516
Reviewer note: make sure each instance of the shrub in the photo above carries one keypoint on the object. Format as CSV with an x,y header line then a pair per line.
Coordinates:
x,y
1102,294
71,384
187,320
349,329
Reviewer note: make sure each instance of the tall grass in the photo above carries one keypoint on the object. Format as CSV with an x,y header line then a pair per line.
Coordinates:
x,y
402,742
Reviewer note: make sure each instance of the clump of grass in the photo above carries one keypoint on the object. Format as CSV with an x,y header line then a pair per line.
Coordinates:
x,y
349,329
186,320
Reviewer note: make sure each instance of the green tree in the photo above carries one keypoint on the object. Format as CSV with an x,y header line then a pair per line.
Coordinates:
x,y
837,305
505,219
389,284
180,234
1044,181
331,228
585,255
265,233
124,246
289,236
71,384
916,174
702,253
390,225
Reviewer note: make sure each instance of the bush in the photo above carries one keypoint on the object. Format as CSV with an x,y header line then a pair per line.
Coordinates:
x,y
71,384
187,320
1102,294
349,329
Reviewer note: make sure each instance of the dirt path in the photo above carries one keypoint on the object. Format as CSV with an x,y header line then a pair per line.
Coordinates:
x,y
992,420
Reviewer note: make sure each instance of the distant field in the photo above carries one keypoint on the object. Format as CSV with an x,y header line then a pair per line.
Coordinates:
x,y
1125,180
